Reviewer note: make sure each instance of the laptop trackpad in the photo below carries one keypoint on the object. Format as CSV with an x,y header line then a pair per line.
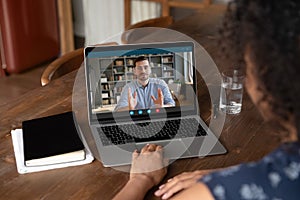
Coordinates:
x,y
173,149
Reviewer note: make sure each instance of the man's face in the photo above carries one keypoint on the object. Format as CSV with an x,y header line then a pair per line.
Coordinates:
x,y
142,70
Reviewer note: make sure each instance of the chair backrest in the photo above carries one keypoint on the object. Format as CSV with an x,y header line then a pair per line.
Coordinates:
x,y
62,65
189,4
65,64
162,22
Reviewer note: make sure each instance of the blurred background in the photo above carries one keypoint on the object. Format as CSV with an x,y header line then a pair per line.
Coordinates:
x,y
33,33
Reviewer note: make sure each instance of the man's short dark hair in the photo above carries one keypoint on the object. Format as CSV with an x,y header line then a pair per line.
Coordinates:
x,y
140,58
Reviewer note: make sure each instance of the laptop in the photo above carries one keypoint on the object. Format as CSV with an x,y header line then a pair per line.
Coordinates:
x,y
178,128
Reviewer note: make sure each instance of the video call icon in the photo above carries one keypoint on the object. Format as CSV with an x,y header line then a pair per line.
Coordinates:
x,y
140,112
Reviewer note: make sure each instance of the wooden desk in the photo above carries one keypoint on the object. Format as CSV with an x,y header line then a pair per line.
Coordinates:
x,y
243,135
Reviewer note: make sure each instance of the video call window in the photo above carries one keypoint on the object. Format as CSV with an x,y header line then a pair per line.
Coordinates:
x,y
111,74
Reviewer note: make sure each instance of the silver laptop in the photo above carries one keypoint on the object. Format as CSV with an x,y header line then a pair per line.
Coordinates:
x,y
177,127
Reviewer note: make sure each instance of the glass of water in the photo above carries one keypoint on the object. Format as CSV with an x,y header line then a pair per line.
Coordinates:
x,y
231,95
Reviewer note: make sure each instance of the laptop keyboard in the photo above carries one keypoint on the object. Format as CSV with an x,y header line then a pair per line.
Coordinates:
x,y
150,131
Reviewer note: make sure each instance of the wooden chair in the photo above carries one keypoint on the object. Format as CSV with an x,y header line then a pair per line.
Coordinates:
x,y
189,4
162,22
65,64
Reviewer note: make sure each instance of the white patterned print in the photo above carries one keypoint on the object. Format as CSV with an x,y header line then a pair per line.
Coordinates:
x,y
274,179
252,192
207,178
292,171
230,171
267,159
219,192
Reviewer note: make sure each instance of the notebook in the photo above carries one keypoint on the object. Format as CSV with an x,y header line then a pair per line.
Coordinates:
x,y
174,124
49,143
51,140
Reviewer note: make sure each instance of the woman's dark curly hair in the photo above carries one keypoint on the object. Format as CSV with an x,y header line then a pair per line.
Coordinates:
x,y
271,30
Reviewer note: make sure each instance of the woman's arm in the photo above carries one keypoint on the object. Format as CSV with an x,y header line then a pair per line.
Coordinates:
x,y
197,191
135,189
147,170
181,182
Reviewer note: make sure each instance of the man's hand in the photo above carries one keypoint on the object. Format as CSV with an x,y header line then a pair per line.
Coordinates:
x,y
160,99
132,101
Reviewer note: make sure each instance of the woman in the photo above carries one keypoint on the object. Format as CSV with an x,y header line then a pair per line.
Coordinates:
x,y
264,35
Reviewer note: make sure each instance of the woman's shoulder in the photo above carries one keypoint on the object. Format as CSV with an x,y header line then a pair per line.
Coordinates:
x,y
272,176
284,154
292,148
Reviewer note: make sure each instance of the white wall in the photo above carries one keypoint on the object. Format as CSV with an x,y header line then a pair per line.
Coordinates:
x,y
142,10
98,20
103,19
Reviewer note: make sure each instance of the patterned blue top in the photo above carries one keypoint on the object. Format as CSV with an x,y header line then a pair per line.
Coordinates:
x,y
275,177
144,100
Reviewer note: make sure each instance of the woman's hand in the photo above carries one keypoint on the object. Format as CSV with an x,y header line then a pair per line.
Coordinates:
x,y
178,183
148,165
147,169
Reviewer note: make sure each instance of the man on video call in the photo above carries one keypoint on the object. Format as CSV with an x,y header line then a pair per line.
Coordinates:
x,y
144,92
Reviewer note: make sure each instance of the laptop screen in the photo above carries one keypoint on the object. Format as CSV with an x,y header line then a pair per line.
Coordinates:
x,y
140,81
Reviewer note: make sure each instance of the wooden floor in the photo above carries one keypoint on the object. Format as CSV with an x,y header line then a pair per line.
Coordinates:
x,y
13,86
